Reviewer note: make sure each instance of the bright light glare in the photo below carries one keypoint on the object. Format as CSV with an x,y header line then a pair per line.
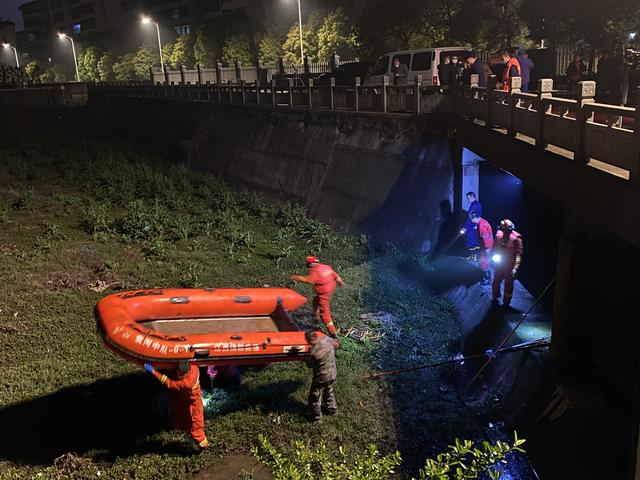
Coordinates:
x,y
496,258
145,20
61,35
462,231
6,45
632,35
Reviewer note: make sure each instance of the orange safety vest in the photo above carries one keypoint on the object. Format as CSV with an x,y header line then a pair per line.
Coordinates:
x,y
513,62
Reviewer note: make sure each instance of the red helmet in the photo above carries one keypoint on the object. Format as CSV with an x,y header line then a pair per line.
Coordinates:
x,y
507,225
311,259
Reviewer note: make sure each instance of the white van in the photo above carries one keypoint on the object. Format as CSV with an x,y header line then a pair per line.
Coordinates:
x,y
423,62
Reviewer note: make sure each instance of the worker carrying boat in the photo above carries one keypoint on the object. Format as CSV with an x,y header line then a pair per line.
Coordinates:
x,y
324,279
186,400
507,255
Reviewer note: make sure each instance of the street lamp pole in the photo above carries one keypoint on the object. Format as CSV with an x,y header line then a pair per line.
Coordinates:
x,y
300,22
73,48
8,45
148,20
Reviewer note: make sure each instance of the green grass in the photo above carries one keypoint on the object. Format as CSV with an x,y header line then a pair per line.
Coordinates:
x,y
74,214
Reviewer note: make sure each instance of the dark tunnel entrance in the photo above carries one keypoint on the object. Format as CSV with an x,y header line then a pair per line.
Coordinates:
x,y
537,218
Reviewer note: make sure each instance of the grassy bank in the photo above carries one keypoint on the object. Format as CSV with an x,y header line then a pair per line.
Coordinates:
x,y
82,217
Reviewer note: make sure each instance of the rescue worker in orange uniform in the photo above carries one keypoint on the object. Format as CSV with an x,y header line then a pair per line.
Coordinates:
x,y
485,240
507,256
511,69
324,279
186,400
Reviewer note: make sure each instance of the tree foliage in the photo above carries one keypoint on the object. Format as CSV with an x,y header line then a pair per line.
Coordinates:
x,y
269,48
88,64
205,49
123,68
334,35
182,53
144,59
105,66
238,48
310,30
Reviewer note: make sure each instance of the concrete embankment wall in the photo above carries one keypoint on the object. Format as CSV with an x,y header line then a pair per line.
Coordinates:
x,y
387,176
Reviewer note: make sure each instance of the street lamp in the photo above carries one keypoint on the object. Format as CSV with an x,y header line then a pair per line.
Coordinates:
x,y
73,48
146,21
8,45
300,23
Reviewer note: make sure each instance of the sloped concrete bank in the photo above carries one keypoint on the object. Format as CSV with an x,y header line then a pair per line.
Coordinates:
x,y
387,176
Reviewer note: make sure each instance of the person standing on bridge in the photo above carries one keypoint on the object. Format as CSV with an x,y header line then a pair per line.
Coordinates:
x,y
476,67
470,229
511,69
399,71
186,400
526,65
324,280
507,256
485,239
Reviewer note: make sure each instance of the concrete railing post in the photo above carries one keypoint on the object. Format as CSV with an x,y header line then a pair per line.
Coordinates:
x,y
305,65
515,83
199,69
273,92
152,76
238,71
230,90
242,88
490,94
332,85
290,92
385,93
181,74
356,99
634,169
545,87
258,83
309,89
417,95
218,72
586,95
280,66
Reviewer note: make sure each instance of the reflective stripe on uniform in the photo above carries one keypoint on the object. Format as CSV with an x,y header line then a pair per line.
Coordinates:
x,y
196,385
204,443
163,379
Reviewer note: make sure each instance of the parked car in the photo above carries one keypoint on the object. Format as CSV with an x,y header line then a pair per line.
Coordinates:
x,y
345,74
419,62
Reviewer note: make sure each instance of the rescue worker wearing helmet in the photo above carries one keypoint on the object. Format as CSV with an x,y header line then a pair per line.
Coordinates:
x,y
470,229
324,279
186,400
485,239
507,257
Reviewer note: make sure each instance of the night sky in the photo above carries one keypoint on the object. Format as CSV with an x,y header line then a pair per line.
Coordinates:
x,y
9,9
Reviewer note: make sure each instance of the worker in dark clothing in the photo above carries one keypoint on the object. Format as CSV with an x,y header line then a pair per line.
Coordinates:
x,y
608,79
444,71
186,400
526,65
470,229
576,72
399,71
476,67
322,358
324,279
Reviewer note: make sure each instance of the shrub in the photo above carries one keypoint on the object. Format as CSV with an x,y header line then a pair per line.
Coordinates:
x,y
156,248
4,214
26,200
143,221
98,220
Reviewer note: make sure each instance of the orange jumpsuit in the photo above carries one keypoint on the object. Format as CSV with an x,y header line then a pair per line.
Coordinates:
x,y
186,404
324,279
486,243
512,66
510,250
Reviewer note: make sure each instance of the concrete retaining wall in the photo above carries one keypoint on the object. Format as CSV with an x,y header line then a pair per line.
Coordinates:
x,y
386,176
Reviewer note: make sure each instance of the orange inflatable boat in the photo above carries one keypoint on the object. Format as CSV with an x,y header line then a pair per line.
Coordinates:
x,y
203,326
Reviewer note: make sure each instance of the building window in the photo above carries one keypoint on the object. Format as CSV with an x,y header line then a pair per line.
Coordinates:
x,y
182,29
77,28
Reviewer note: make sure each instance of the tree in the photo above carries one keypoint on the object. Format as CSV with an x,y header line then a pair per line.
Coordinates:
x,y
182,52
105,66
55,74
204,48
167,52
310,29
334,35
144,59
123,68
33,70
88,64
237,48
269,48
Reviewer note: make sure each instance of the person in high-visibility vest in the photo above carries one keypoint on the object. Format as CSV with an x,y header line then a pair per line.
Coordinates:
x,y
511,69
324,279
485,238
186,400
507,256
